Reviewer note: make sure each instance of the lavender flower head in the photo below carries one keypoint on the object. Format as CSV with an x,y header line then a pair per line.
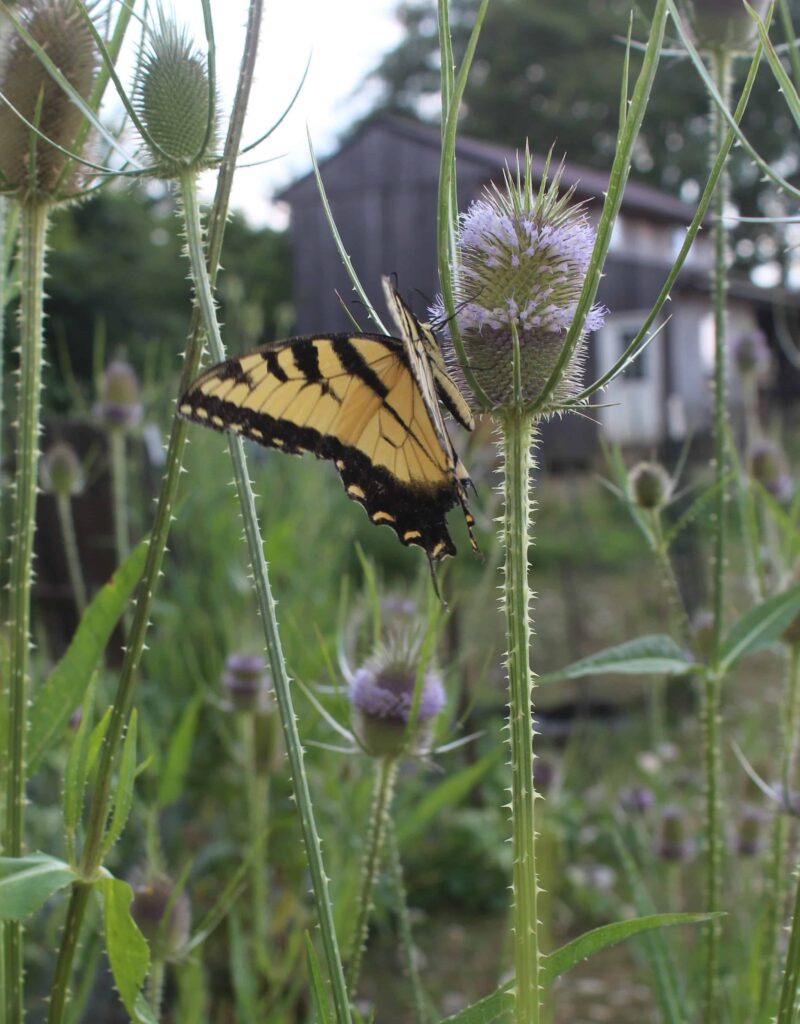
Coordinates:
x,y
381,695
751,355
523,257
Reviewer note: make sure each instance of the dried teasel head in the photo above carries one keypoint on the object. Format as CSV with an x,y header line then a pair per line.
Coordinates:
x,y
31,166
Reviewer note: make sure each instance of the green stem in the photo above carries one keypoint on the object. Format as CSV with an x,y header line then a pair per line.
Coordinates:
x,y
3,300
787,1004
76,909
258,801
266,605
119,492
676,604
404,920
33,233
74,570
780,829
518,437
721,70
379,814
155,986
158,536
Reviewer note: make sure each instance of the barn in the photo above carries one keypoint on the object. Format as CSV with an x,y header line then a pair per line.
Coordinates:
x,y
382,187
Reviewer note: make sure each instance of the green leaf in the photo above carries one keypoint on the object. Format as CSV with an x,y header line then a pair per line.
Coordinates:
x,y
126,947
26,882
448,793
68,682
486,1010
759,627
76,770
123,800
179,753
319,999
245,984
647,655
609,935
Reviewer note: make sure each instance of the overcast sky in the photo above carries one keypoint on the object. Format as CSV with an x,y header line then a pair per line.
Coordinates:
x,y
344,40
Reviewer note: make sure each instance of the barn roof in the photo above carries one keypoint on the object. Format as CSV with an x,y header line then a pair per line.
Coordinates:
x,y
490,159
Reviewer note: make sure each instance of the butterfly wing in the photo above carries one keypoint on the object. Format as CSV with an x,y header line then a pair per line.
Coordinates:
x,y
354,400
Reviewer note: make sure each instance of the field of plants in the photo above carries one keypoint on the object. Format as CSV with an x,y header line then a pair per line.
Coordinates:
x,y
260,760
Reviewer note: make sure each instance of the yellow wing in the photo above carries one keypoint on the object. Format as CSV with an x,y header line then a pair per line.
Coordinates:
x,y
352,399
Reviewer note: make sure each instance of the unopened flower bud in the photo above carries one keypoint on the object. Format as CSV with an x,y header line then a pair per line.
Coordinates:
x,y
673,844
768,467
381,696
165,922
119,406
30,165
523,257
246,682
172,100
650,485
751,355
723,24
60,471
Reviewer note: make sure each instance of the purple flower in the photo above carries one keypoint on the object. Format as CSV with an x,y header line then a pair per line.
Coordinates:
x,y
246,682
381,695
118,406
523,257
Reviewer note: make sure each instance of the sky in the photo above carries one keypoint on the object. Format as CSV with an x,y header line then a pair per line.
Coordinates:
x,y
344,41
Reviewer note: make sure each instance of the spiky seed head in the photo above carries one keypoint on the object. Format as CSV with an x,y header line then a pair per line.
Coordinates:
x,y
118,406
381,695
245,682
750,839
166,927
650,485
723,24
768,466
523,253
172,99
751,355
60,471
31,167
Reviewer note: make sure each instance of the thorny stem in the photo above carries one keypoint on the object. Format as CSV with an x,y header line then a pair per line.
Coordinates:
x,y
33,233
677,605
158,537
404,922
721,70
518,435
155,986
787,1005
386,772
266,606
258,802
119,487
74,569
780,828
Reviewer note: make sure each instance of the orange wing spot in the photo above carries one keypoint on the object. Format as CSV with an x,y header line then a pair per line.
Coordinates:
x,y
411,535
355,491
382,517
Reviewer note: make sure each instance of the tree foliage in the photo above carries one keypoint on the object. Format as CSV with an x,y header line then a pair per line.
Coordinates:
x,y
551,73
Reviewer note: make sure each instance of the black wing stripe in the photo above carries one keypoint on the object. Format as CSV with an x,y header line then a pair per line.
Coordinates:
x,y
274,367
354,364
306,359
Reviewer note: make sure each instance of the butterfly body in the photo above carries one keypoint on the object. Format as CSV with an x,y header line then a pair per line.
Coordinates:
x,y
366,402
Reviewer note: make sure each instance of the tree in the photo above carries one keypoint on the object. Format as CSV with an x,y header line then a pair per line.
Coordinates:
x,y
551,73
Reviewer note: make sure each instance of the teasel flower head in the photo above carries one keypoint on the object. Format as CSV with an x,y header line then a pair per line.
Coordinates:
x,y
768,466
723,24
751,356
523,253
636,800
381,694
673,844
60,471
650,485
119,406
174,102
163,917
246,682
32,168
